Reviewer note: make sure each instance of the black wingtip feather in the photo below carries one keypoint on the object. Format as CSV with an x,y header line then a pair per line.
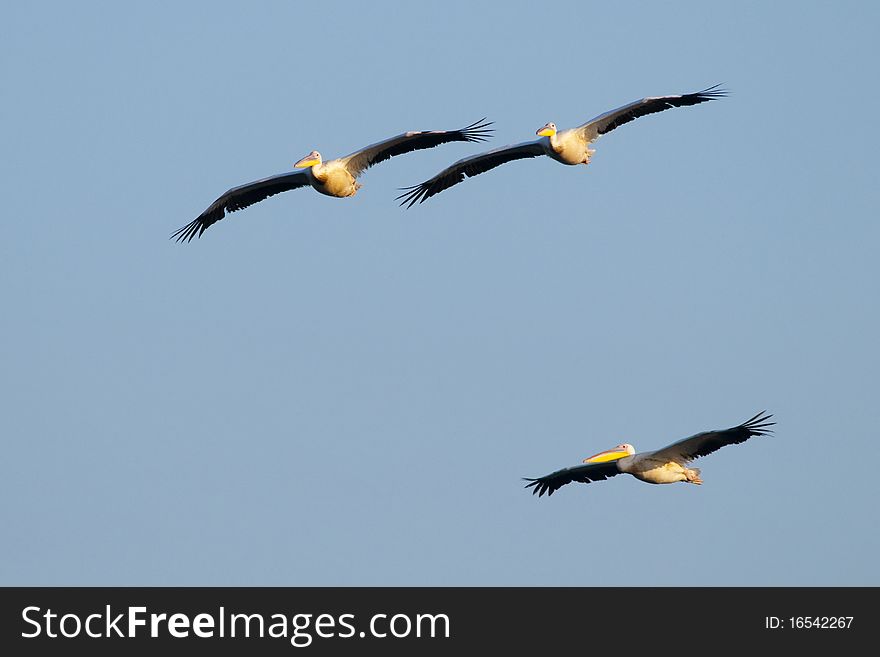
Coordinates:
x,y
538,487
477,131
413,194
186,233
759,424
715,91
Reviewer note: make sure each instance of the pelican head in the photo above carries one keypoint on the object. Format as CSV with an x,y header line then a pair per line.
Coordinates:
x,y
309,160
612,454
548,130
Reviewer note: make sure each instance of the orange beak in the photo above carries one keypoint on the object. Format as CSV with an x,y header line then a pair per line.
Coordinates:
x,y
306,162
607,455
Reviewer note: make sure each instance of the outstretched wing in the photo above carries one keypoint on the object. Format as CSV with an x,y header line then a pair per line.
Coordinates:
x,y
594,128
361,160
701,444
468,167
238,198
581,473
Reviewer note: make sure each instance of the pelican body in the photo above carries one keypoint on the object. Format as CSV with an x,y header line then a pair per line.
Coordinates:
x,y
332,178
649,468
662,466
571,146
568,147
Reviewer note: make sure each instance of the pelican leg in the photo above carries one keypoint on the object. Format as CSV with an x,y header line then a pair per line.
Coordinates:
x,y
693,476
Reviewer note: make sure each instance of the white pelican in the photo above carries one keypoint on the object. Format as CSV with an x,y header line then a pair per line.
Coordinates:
x,y
662,466
567,146
333,178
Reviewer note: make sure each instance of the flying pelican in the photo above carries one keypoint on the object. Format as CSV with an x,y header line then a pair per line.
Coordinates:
x,y
567,146
333,178
661,466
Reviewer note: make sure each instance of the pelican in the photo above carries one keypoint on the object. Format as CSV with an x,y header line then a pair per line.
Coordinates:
x,y
333,177
662,466
566,146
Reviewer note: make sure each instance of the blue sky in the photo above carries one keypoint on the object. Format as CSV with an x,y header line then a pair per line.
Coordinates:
x,y
340,392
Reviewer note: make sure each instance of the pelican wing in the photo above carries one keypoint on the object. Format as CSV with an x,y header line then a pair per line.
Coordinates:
x,y
594,128
584,474
468,167
361,160
707,442
241,197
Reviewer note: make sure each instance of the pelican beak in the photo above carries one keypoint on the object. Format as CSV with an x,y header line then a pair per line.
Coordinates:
x,y
306,162
607,455
546,131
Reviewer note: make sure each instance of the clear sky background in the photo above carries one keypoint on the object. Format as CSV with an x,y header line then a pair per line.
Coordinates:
x,y
328,391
